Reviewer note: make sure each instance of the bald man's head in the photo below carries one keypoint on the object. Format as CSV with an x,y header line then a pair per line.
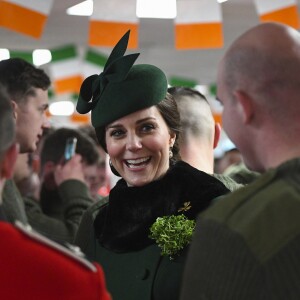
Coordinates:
x,y
259,86
264,60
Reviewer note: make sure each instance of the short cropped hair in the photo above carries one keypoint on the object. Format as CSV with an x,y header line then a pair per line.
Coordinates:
x,y
195,112
7,124
54,146
19,78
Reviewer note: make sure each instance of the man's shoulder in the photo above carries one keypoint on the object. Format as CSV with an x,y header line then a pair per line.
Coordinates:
x,y
269,189
264,213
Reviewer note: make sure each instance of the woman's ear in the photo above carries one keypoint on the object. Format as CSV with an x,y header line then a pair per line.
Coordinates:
x,y
172,138
246,105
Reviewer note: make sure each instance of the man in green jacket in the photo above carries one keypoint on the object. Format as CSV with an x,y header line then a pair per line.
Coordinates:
x,y
27,88
247,246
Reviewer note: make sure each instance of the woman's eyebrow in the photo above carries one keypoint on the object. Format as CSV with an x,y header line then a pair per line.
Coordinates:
x,y
145,119
137,122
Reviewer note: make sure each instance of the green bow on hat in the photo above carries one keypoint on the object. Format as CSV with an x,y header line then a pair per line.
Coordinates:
x,y
121,88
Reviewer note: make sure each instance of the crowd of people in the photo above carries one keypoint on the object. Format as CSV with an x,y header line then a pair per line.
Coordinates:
x,y
175,225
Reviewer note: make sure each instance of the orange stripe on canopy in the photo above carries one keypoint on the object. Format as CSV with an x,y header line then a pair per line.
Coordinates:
x,y
21,19
70,84
102,33
78,118
193,36
288,16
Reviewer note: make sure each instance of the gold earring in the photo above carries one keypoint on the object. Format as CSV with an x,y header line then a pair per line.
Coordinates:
x,y
170,153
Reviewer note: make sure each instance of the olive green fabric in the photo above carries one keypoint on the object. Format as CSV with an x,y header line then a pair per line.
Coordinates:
x,y
241,174
74,200
121,88
62,221
13,204
247,245
230,183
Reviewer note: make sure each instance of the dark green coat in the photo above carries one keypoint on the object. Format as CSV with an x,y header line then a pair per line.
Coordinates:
x,y
116,234
135,274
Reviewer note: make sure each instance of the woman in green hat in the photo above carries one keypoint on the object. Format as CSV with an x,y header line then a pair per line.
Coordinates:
x,y
141,235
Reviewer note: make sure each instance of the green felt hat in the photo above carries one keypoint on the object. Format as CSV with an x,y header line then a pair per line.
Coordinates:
x,y
121,88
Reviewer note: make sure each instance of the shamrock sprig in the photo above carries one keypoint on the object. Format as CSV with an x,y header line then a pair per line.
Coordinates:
x,y
172,233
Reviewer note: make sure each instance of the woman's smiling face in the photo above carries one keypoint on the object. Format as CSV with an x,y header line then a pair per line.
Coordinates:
x,y
138,145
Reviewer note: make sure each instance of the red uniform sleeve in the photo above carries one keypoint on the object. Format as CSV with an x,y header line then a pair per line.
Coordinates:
x,y
33,269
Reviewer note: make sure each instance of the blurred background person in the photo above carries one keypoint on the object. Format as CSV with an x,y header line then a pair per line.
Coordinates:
x,y
231,165
54,194
229,157
104,181
200,133
25,177
62,198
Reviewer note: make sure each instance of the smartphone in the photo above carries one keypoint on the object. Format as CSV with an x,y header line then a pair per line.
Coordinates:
x,y
70,148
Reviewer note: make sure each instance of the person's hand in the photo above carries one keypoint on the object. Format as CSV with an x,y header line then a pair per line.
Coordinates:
x,y
72,169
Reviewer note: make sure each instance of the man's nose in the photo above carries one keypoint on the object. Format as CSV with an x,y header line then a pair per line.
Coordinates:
x,y
46,122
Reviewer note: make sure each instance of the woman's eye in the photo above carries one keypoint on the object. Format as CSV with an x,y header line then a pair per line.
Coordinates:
x,y
116,133
147,127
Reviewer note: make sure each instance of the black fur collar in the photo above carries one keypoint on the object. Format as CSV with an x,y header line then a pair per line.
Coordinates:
x,y
123,224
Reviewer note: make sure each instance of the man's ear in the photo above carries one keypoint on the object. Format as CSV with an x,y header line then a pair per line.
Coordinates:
x,y
217,134
246,105
14,107
9,161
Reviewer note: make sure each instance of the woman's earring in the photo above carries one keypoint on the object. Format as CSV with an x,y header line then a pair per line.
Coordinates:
x,y
170,153
113,169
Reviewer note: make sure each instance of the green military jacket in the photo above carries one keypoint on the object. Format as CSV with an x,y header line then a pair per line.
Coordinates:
x,y
231,184
74,200
247,246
